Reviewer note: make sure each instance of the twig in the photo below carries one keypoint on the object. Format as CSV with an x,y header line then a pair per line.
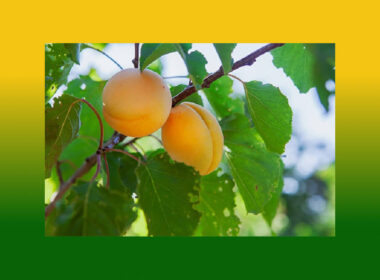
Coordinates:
x,y
135,61
110,58
246,61
98,165
86,166
236,78
99,119
117,137
107,170
158,139
121,151
130,142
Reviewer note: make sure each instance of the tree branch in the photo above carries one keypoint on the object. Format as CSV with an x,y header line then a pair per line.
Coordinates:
x,y
86,166
117,137
246,61
135,61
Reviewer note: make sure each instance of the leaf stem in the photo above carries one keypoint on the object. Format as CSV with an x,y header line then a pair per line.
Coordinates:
x,y
106,55
98,165
107,170
121,151
245,61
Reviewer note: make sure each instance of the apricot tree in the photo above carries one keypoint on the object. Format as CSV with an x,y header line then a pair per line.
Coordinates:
x,y
182,178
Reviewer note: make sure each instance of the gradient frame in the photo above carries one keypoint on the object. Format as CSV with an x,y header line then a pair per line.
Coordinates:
x,y
26,252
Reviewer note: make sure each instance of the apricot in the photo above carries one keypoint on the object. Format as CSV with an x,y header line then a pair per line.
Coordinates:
x,y
192,135
136,103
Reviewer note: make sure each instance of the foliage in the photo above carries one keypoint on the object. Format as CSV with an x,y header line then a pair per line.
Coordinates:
x,y
62,126
308,65
92,211
174,198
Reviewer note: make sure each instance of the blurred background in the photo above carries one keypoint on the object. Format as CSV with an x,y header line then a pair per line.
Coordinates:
x,y
307,205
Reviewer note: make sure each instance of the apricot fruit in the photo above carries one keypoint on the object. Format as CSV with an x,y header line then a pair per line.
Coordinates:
x,y
136,103
192,135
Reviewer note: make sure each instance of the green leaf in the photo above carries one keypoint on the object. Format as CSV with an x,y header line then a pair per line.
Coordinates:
x,y
75,154
151,52
224,51
323,70
167,192
195,63
98,46
308,65
92,211
74,50
270,209
271,114
87,88
297,62
61,127
195,97
216,203
219,96
254,168
122,172
156,66
58,64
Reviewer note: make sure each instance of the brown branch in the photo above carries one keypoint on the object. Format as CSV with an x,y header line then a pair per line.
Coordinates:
x,y
246,61
135,61
117,137
86,167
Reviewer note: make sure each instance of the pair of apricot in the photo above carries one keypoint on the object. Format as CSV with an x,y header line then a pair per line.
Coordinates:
x,y
138,103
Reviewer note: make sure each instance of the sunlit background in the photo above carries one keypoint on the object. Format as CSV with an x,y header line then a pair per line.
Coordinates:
x,y
308,202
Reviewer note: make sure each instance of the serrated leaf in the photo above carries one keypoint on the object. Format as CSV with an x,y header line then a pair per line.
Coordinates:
x,y
323,70
254,168
74,50
216,204
270,208
219,96
297,63
167,192
87,88
195,64
271,114
151,52
92,211
224,51
195,97
58,64
308,65
61,127
75,154
122,172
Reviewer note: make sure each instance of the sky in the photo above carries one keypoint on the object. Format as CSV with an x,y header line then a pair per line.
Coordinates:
x,y
313,128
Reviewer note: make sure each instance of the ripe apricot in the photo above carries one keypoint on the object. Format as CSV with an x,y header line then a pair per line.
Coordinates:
x,y
136,103
192,135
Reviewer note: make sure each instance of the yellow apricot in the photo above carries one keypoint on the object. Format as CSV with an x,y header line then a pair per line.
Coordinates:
x,y
192,135
136,103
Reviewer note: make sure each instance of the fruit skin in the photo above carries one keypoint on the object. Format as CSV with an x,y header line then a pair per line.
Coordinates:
x,y
192,135
136,103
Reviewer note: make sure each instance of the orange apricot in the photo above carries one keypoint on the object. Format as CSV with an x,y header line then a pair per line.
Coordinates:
x,y
192,135
136,103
